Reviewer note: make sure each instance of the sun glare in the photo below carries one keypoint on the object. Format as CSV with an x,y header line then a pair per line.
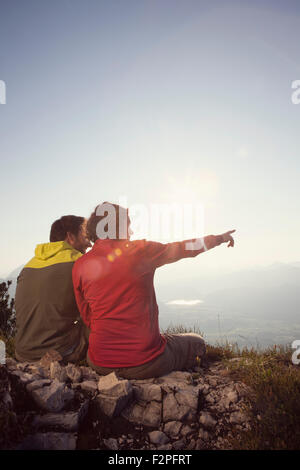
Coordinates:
x,y
179,211
198,188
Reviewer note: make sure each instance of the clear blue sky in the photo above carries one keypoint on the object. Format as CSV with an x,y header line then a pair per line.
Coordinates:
x,y
154,100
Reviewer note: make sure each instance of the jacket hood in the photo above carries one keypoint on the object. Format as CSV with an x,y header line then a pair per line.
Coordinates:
x,y
47,250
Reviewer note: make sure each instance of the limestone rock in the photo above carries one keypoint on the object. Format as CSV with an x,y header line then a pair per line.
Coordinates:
x,y
49,357
230,398
187,398
22,366
148,414
152,414
212,398
143,381
58,372
7,402
207,420
213,381
186,430
172,428
164,447
179,445
68,421
170,408
37,384
200,444
112,385
147,392
111,443
10,363
177,376
49,441
115,394
65,421
73,372
203,435
112,406
170,405
158,437
24,377
238,417
37,370
179,406
88,374
191,445
89,385
53,397
134,413
176,380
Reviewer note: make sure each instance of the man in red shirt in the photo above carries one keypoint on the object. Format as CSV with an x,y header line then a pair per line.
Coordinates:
x,y
113,285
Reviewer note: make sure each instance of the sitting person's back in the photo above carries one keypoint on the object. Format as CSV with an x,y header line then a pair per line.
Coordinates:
x,y
114,288
47,316
113,285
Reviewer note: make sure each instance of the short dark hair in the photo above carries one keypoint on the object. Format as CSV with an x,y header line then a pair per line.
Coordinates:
x,y
94,219
67,223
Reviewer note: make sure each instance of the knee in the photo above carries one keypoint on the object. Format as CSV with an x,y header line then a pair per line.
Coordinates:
x,y
202,347
195,338
198,344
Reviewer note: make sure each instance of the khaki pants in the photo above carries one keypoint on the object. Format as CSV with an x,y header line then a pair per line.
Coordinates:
x,y
180,353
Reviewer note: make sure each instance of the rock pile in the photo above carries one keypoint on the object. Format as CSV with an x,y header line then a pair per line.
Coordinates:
x,y
200,409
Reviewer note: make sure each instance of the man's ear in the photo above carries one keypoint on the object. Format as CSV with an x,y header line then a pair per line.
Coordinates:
x,y
70,238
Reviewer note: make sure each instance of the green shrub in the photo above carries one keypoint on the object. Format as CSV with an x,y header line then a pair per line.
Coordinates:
x,y
7,319
7,311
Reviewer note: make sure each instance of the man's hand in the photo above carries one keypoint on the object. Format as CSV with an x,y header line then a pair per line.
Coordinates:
x,y
228,238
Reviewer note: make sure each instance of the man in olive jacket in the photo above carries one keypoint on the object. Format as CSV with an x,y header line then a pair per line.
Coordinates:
x,y
47,316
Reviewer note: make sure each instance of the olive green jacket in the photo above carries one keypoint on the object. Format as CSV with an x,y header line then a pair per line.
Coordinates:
x,y
45,304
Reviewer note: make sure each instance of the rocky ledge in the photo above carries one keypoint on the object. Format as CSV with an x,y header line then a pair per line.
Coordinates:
x,y
71,407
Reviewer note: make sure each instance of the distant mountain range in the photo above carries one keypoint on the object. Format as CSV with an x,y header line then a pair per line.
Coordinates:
x,y
250,306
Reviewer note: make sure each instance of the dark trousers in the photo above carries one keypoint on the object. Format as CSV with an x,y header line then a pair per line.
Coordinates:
x,y
181,352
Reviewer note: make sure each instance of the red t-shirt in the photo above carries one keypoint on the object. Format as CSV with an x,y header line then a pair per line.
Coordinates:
x,y
113,285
